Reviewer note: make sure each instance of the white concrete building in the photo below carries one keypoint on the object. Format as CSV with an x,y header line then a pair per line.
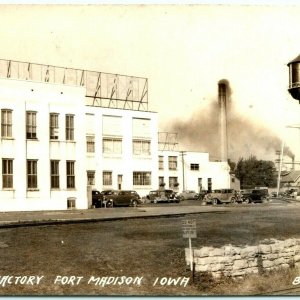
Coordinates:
x,y
65,131
42,165
192,171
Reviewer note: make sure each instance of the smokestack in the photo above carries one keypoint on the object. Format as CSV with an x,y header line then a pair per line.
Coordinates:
x,y
223,119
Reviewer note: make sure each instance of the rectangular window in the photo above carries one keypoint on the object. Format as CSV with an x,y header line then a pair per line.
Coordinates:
x,y
107,178
54,174
32,174
141,178
70,174
161,162
54,126
70,127
141,147
90,143
31,125
6,123
173,182
209,184
194,167
91,177
172,162
161,180
200,183
7,173
112,145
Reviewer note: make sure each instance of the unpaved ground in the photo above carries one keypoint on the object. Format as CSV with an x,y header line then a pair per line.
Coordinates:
x,y
147,248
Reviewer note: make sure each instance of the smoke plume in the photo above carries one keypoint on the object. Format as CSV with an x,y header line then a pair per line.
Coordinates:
x,y
245,137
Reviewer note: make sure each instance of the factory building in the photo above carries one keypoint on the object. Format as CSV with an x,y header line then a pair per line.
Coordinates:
x,y
66,131
193,171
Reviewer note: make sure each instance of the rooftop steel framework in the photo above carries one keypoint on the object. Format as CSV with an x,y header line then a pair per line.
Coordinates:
x,y
102,89
167,141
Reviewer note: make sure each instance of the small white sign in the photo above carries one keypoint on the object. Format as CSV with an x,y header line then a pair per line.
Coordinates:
x,y
189,228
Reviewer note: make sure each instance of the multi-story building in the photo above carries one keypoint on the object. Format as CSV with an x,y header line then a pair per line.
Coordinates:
x,y
184,170
66,131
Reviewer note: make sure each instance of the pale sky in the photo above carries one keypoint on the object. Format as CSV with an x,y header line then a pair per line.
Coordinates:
x,y
184,50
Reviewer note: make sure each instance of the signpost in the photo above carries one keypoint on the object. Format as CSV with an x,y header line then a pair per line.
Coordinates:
x,y
190,232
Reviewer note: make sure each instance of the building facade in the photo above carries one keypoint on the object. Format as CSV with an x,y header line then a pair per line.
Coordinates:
x,y
65,132
184,170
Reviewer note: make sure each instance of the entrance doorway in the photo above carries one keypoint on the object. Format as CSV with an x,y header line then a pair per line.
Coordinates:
x,y
120,179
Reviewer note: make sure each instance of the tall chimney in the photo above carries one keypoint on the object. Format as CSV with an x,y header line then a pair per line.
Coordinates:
x,y
223,119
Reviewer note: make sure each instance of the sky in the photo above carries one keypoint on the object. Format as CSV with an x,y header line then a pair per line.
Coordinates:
x,y
184,51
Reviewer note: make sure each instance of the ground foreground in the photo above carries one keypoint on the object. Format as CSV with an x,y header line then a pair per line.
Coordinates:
x,y
139,256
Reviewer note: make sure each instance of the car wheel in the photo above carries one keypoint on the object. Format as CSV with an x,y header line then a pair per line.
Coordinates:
x,y
155,201
215,201
109,204
134,203
233,200
247,201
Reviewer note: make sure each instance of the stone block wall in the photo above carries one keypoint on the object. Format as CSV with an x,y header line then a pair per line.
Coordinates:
x,y
239,261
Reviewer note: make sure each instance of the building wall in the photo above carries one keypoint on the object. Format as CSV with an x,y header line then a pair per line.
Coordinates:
x,y
125,147
22,96
194,171
124,163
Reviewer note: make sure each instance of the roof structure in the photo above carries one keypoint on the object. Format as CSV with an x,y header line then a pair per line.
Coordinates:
x,y
297,59
292,176
102,89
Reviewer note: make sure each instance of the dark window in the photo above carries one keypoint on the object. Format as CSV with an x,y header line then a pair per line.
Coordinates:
x,y
54,126
6,123
141,178
32,174
195,167
69,127
70,174
7,173
31,125
54,174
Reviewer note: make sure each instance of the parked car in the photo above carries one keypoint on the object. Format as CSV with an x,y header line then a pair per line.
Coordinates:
x,y
256,195
188,195
122,198
221,196
97,198
163,196
201,195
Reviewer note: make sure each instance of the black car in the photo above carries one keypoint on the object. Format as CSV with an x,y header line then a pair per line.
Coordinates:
x,y
256,195
97,198
122,198
163,196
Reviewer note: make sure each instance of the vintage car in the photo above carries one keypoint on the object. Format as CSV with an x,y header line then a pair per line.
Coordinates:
x,y
221,196
163,196
122,198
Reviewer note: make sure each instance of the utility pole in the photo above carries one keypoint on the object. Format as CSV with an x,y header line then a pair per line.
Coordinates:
x,y
183,175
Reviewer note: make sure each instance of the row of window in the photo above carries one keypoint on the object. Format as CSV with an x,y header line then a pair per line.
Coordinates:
x,y
114,146
31,125
173,181
172,163
32,174
110,145
139,178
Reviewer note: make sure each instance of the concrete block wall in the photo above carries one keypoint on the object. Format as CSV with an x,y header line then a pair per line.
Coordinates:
x,y
234,261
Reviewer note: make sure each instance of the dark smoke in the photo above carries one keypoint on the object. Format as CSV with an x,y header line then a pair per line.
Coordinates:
x,y
245,137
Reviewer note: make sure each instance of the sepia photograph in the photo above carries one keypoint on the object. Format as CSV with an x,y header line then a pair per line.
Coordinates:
x,y
150,149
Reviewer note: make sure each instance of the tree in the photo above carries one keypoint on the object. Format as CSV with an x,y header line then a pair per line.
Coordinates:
x,y
253,172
